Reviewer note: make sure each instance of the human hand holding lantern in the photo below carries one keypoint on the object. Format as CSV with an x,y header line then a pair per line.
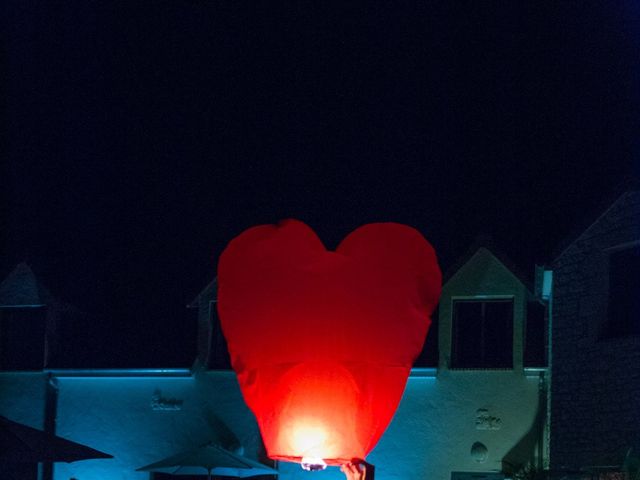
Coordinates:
x,y
358,470
322,342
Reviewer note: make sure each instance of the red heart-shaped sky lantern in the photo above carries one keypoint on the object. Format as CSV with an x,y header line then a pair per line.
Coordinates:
x,y
322,342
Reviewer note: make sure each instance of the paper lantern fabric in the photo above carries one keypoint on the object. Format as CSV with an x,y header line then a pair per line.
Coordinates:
x,y
322,342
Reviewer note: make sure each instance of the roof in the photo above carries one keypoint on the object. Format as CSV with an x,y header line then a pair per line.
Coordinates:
x,y
628,186
207,292
485,241
21,288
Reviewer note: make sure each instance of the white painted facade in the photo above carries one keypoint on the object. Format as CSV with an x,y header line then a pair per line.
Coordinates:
x,y
142,416
431,434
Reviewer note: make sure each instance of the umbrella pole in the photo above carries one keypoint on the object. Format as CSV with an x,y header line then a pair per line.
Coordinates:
x,y
209,474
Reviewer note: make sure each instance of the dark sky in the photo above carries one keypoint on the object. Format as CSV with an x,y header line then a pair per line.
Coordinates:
x,y
140,137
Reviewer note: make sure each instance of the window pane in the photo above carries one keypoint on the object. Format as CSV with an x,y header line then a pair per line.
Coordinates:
x,y
482,334
22,338
623,316
498,322
429,355
466,351
535,336
219,358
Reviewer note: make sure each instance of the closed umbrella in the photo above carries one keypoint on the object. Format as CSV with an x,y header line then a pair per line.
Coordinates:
x,y
212,460
22,444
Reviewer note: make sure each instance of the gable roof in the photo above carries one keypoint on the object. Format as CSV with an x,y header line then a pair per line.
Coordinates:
x,y
21,288
210,291
485,241
628,186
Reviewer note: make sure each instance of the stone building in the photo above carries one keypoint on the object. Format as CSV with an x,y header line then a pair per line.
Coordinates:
x,y
596,343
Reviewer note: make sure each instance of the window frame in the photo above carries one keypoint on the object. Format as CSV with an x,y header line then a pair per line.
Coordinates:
x,y
610,329
481,299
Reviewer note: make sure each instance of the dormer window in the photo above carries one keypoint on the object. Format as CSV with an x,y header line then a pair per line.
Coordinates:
x,y
22,338
482,333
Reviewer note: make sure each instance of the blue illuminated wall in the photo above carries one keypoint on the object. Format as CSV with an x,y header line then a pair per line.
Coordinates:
x,y
143,416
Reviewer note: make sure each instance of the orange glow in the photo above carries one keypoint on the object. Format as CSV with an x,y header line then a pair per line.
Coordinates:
x,y
309,438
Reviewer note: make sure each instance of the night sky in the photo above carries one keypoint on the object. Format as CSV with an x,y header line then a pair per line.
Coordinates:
x,y
140,137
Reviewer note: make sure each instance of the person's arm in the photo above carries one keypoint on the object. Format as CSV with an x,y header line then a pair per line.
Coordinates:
x,y
358,470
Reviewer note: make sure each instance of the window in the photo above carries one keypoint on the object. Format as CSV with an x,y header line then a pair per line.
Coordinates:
x,y
535,336
22,337
219,354
429,355
623,312
482,334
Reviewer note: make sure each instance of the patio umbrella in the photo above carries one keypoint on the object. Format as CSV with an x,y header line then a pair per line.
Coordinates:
x,y
22,444
212,460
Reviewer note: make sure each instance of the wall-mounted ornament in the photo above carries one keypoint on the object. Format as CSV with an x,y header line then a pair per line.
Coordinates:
x,y
158,402
486,421
479,452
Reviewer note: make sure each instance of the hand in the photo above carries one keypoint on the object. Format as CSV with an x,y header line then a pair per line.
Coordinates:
x,y
354,471
357,470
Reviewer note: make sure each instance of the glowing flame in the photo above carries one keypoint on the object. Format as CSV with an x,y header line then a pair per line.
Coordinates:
x,y
309,439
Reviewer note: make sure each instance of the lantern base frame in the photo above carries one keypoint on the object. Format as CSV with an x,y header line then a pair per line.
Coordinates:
x,y
313,464
329,462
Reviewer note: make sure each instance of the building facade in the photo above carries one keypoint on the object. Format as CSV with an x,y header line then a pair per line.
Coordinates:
x,y
596,343
480,413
